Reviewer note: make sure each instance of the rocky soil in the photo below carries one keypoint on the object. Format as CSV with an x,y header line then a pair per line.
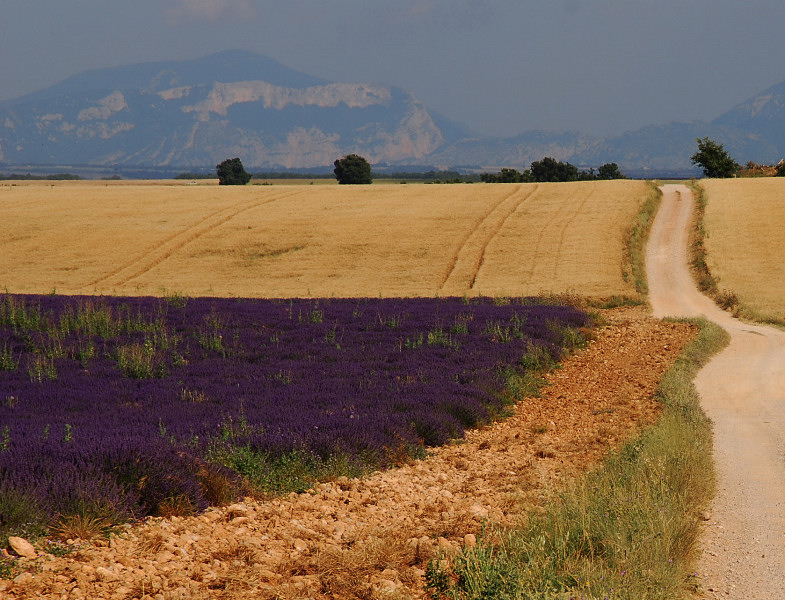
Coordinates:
x,y
373,538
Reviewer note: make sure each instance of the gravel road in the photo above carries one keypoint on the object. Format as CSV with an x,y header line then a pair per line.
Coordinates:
x,y
743,392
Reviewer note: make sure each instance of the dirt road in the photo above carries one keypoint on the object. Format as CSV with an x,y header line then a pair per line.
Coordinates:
x,y
743,392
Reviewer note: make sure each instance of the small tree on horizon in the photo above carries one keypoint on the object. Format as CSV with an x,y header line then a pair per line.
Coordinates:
x,y
715,161
232,172
610,171
551,170
353,169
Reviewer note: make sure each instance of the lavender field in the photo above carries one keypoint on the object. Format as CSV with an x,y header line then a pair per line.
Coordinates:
x,y
114,408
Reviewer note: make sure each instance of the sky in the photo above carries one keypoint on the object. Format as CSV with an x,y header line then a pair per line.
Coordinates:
x,y
501,67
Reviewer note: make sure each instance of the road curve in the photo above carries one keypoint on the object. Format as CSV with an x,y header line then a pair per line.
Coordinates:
x,y
743,391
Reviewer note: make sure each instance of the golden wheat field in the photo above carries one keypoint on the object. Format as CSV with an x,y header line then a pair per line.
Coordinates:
x,y
156,238
745,243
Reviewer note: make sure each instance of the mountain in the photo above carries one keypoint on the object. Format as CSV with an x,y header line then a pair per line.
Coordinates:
x,y
194,114
199,112
753,130
757,126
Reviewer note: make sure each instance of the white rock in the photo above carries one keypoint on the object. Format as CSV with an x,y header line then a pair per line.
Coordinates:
x,y
387,587
21,547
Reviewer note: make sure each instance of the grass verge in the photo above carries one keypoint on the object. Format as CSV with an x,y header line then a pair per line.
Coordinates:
x,y
634,268
626,530
706,282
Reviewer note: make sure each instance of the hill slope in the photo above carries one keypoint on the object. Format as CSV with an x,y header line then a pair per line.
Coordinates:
x,y
196,113
199,112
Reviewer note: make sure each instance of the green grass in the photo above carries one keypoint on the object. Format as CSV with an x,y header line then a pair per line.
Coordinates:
x,y
296,472
626,530
45,337
700,269
747,313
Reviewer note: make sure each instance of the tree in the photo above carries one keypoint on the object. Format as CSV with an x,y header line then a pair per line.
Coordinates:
x,y
609,171
780,172
506,175
549,169
231,172
352,169
714,159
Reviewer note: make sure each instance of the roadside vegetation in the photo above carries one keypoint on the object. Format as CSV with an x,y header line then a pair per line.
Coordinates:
x,y
636,238
707,283
627,530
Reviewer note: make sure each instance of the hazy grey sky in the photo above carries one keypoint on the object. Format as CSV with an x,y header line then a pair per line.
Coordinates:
x,y
500,66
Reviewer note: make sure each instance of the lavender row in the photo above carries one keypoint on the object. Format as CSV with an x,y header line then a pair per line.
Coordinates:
x,y
100,394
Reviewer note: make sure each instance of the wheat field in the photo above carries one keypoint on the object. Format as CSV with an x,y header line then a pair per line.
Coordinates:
x,y
157,238
745,242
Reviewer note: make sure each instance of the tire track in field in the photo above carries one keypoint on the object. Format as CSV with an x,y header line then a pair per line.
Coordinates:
x,y
466,237
469,256
561,221
162,251
567,223
496,233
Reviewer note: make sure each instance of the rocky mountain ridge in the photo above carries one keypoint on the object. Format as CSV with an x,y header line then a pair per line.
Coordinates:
x,y
166,114
193,114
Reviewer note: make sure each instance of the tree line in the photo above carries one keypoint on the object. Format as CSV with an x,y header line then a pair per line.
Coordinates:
x,y
30,177
355,169
551,170
711,156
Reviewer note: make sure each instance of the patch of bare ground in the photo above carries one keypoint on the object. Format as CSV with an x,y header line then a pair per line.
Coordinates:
x,y
372,538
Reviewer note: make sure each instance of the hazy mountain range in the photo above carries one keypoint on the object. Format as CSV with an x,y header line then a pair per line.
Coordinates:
x,y
193,114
